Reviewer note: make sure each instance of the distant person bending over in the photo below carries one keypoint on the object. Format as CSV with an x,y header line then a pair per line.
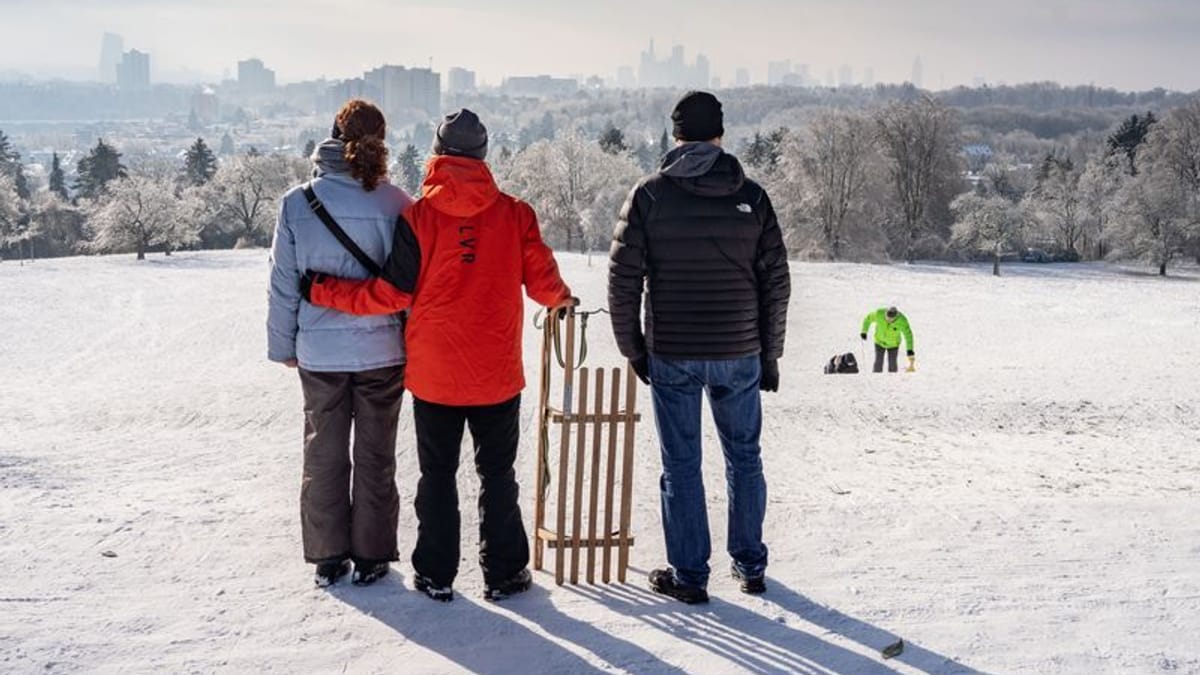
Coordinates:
x,y
890,326
462,254
351,368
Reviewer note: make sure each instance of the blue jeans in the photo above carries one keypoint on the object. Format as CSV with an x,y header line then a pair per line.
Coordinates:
x,y
732,388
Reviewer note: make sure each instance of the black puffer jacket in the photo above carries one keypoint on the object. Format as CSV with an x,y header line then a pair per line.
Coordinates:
x,y
705,244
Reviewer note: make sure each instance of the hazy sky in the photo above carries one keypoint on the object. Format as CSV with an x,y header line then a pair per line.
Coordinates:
x,y
1129,44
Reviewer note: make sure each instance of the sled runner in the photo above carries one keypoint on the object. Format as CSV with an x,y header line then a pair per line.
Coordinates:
x,y
590,474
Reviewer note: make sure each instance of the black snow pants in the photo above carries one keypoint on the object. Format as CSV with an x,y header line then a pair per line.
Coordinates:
x,y
503,545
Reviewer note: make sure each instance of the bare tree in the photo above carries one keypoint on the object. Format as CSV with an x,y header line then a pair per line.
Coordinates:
x,y
828,167
986,224
1160,203
242,198
574,186
1099,186
919,139
140,213
12,228
1055,204
58,224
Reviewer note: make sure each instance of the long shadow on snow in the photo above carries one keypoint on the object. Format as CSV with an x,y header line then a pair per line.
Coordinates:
x,y
485,638
861,632
751,641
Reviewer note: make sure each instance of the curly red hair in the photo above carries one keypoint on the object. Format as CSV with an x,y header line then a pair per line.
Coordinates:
x,y
364,130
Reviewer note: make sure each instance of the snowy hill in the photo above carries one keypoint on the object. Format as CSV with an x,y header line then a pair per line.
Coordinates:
x,y
1028,501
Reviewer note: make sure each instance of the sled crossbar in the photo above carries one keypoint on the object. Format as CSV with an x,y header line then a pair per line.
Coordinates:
x,y
593,430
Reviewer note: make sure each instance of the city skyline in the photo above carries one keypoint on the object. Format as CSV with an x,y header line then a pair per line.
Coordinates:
x,y
1126,45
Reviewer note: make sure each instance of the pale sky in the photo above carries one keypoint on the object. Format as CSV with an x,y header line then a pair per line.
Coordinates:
x,y
1128,44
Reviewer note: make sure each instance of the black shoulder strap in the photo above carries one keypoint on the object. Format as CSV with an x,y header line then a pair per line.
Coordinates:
x,y
336,230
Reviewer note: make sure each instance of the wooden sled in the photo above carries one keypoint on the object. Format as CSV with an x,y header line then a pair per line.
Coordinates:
x,y
588,434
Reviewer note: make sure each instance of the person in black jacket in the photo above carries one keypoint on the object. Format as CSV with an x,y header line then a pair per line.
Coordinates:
x,y
703,242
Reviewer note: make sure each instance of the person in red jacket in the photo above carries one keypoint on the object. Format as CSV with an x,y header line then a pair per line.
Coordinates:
x,y
460,258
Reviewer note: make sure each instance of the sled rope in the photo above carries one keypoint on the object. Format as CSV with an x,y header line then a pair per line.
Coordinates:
x,y
539,322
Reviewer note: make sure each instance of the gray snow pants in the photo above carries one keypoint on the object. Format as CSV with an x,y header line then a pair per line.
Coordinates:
x,y
893,355
349,504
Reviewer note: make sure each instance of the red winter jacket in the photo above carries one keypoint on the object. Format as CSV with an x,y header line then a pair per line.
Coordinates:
x,y
478,247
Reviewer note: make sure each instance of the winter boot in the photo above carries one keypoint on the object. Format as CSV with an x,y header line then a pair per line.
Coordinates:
x,y
517,583
663,581
330,571
749,585
433,590
367,572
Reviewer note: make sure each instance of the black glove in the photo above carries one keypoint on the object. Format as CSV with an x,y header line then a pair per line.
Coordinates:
x,y
306,282
770,375
863,336
641,367
911,353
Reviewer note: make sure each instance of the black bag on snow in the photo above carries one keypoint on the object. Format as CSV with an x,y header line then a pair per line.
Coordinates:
x,y
841,364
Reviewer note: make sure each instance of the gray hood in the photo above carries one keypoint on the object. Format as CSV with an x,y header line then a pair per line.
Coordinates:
x,y
690,160
330,157
704,169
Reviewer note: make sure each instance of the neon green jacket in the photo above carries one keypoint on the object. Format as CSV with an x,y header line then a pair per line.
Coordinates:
x,y
887,335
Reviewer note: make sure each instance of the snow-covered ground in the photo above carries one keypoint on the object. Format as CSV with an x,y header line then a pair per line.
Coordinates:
x,y
1027,501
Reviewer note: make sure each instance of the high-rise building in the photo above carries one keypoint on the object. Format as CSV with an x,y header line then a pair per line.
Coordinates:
x,y
206,108
254,77
403,89
804,74
699,75
133,73
741,78
777,71
673,71
918,73
111,48
845,76
460,81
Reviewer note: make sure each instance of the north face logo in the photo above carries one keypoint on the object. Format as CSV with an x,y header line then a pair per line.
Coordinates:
x,y
744,207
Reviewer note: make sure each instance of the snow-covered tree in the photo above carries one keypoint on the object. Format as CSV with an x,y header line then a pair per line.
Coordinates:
x,y
58,225
920,140
825,175
1099,186
137,214
241,199
575,187
1055,203
10,165
986,224
11,213
1160,203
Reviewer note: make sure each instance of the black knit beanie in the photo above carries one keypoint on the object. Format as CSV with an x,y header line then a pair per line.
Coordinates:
x,y
697,117
461,134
